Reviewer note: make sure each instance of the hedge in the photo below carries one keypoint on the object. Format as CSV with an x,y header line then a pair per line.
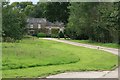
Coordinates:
x,y
41,35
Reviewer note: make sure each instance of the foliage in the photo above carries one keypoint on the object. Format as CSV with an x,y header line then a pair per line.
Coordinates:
x,y
41,35
54,35
55,31
94,21
61,34
48,35
29,10
40,58
57,11
44,30
38,11
15,15
13,23
21,5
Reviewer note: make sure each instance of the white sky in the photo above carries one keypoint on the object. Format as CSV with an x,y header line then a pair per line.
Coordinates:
x,y
34,1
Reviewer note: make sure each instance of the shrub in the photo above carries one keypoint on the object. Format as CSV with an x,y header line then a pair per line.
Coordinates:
x,y
61,35
8,39
44,30
54,35
48,35
55,31
41,35
34,35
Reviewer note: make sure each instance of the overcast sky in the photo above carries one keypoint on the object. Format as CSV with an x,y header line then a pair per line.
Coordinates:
x,y
34,1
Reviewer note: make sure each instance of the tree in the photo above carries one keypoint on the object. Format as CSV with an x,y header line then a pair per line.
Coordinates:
x,y
21,5
106,22
38,11
118,20
77,21
95,21
13,23
29,10
57,11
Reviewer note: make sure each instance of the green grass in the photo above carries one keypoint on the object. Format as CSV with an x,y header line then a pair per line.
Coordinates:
x,y
111,45
30,53
40,58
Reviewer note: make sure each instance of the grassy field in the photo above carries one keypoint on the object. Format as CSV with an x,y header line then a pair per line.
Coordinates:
x,y
111,45
40,58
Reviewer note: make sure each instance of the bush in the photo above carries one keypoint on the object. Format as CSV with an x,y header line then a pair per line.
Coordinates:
x,y
44,30
41,35
55,31
54,36
48,35
61,35
34,35
8,39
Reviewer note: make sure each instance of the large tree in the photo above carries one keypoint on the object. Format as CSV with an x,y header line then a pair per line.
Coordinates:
x,y
39,10
13,23
57,11
21,5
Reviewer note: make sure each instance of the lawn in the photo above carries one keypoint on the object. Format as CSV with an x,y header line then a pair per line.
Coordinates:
x,y
110,45
40,58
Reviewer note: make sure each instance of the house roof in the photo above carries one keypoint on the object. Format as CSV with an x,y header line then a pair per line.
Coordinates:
x,y
36,20
44,21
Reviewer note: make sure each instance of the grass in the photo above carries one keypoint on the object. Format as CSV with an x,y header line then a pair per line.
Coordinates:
x,y
110,45
30,53
40,58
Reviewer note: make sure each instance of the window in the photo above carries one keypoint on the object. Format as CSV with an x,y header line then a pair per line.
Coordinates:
x,y
31,26
39,26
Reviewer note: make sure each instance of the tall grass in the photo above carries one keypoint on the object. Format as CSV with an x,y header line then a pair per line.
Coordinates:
x,y
38,58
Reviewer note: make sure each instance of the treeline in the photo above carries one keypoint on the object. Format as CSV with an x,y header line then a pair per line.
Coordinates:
x,y
94,21
56,11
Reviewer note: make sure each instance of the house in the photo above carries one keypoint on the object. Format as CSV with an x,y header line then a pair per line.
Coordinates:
x,y
37,25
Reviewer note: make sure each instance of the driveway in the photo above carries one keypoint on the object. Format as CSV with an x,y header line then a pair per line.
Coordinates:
x,y
87,74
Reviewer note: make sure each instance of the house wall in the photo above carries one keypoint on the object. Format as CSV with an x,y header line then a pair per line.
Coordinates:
x,y
40,27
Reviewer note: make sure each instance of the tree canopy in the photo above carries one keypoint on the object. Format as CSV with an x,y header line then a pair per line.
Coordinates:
x,y
94,21
13,23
